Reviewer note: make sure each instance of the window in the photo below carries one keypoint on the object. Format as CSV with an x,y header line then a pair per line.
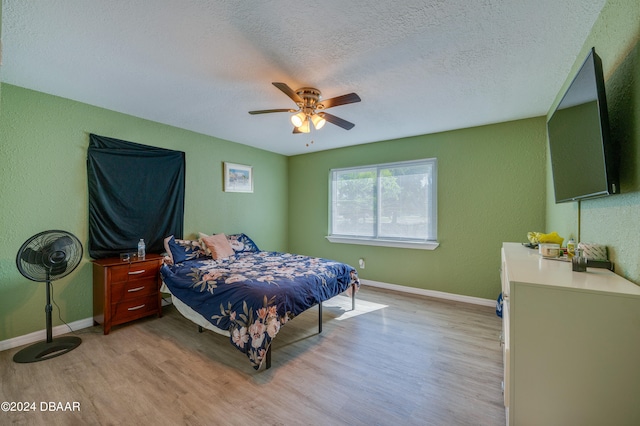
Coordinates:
x,y
391,204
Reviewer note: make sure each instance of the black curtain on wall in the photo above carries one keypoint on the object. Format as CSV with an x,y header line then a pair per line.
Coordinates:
x,y
135,191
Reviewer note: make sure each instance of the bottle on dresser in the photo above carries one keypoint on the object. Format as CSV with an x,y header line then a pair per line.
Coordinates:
x,y
141,249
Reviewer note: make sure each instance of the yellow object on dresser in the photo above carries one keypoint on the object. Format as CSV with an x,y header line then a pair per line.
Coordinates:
x,y
539,238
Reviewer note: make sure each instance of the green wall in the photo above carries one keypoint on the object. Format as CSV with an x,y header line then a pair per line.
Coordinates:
x,y
491,188
613,221
43,153
0,61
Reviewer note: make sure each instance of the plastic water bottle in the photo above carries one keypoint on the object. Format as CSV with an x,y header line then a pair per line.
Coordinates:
x,y
571,248
141,249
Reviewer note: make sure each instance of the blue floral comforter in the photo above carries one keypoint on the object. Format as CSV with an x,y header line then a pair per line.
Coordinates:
x,y
253,294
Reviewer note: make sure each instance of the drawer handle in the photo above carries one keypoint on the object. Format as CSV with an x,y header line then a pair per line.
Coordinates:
x,y
136,272
135,308
132,290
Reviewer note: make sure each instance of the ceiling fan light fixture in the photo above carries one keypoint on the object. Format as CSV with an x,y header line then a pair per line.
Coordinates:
x,y
298,119
304,127
318,121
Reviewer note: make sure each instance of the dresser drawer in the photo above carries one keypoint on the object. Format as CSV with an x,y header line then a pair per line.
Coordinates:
x,y
125,291
134,308
134,271
131,289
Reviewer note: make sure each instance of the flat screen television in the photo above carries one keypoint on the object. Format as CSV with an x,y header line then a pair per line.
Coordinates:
x,y
583,156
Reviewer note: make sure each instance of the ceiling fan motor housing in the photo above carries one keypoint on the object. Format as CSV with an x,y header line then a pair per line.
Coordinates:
x,y
310,98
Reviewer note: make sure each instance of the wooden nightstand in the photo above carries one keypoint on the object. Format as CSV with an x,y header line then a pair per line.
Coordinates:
x,y
124,291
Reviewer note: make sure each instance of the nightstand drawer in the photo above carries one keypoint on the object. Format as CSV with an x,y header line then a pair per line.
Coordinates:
x,y
132,289
134,271
134,308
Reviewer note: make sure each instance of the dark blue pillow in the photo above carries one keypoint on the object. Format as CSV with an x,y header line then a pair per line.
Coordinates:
x,y
181,250
242,244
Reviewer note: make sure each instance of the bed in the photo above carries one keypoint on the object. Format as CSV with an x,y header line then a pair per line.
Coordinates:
x,y
228,285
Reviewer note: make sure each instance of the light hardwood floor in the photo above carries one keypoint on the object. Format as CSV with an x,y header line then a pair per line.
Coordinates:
x,y
419,361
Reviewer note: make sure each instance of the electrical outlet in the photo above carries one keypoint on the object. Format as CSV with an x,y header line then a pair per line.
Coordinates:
x,y
361,263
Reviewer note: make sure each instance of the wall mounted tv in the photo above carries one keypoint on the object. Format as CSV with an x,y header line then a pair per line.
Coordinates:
x,y
583,157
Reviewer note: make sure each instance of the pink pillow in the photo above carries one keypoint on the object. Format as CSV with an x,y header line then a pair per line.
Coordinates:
x,y
219,246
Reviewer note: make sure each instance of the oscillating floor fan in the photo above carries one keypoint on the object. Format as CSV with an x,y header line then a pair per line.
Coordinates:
x,y
45,257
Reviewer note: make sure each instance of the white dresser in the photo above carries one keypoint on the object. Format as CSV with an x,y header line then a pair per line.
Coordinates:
x,y
571,343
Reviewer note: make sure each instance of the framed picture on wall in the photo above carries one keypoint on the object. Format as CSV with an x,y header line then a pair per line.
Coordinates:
x,y
238,178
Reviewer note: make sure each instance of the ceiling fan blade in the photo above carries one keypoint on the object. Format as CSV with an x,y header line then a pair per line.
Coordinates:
x,y
289,92
266,111
296,130
337,121
349,98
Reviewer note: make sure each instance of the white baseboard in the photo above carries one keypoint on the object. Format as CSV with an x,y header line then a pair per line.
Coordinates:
x,y
430,293
37,336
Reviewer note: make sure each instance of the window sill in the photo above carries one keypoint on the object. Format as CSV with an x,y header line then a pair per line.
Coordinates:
x,y
423,245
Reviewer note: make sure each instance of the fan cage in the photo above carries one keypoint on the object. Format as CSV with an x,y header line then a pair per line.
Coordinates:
x,y
34,253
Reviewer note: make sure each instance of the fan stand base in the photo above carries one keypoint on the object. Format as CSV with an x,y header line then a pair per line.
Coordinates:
x,y
45,350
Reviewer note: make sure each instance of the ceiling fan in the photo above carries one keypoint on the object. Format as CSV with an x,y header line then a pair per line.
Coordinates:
x,y
311,108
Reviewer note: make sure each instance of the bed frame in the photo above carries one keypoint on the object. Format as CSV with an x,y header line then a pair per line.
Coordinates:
x,y
268,355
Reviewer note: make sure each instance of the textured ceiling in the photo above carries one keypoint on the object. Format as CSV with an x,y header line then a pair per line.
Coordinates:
x,y
420,66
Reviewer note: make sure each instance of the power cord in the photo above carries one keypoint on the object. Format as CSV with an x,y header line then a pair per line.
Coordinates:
x,y
59,311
